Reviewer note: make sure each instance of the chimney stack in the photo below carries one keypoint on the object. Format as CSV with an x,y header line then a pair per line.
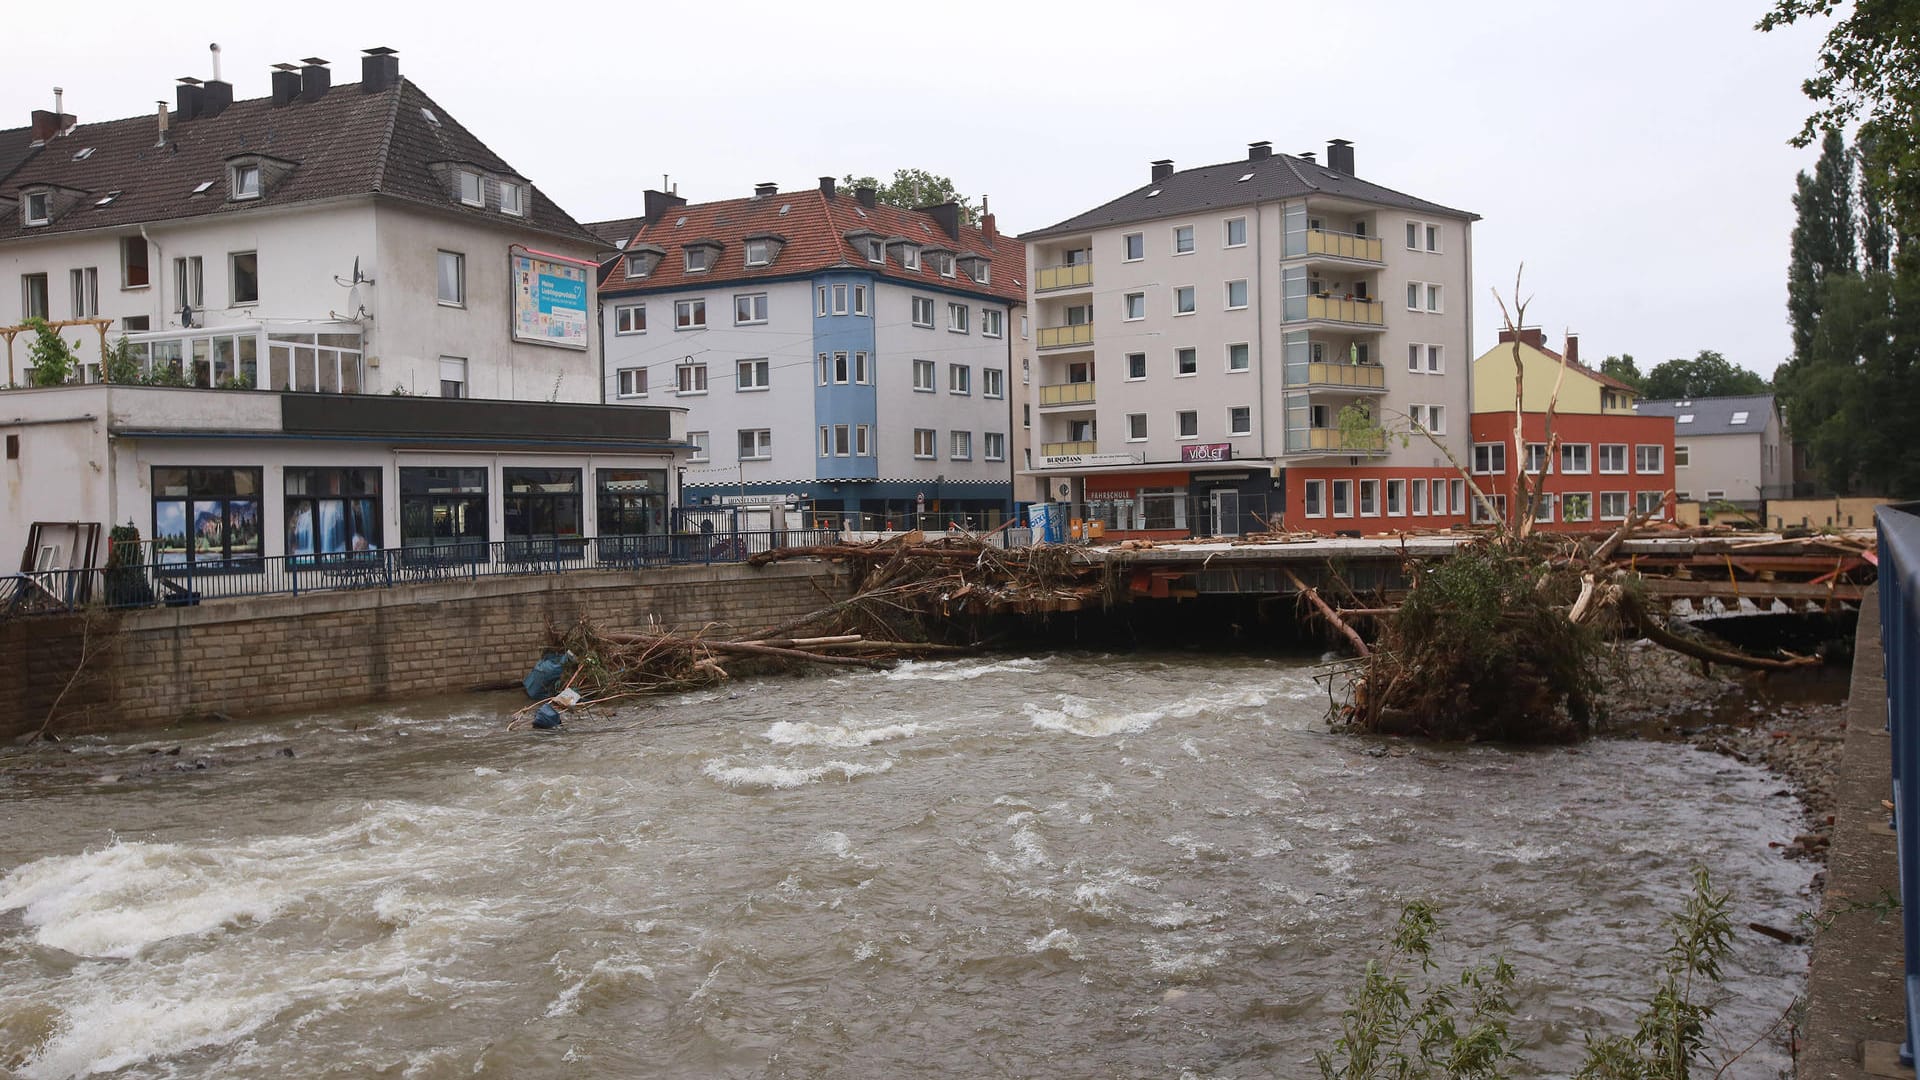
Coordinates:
x,y
658,204
217,94
1573,347
947,216
866,196
286,83
1259,151
1340,156
379,69
826,186
765,188
1162,169
186,99
163,124
315,79
1310,156
44,125
1529,335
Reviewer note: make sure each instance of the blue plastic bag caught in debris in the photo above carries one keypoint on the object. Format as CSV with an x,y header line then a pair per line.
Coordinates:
x,y
545,677
546,717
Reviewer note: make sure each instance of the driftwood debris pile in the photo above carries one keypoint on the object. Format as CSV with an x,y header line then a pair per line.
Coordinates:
x,y
915,585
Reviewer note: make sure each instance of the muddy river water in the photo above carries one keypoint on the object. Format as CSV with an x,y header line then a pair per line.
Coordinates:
x,y
1063,866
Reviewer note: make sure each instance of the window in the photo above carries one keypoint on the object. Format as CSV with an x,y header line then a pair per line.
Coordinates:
x,y
1423,236
758,253
133,262
1236,295
1137,427
702,446
1715,496
1183,302
689,314
859,299
923,312
444,508
992,382
1238,357
1543,508
1369,498
1135,245
862,440
453,376
1314,498
1237,232
1186,361
630,319
206,515
1576,506
959,379
1489,457
633,382
1417,497
1536,457
1136,365
453,278
923,443
513,200
1413,236
630,502
944,263
135,324
862,369
1026,415
470,192
1680,455
923,376
1343,498
1413,296
1480,516
38,208
821,295
1574,458
1613,457
750,375
690,379
1613,506
1739,417
1648,458
1433,238
246,181
1189,422
836,440
244,277
1136,305
33,296
189,282
910,257
541,502
1423,296
332,511
840,300
1459,496
1651,503
1433,298
638,267
957,318
749,309
992,322
1163,508
1436,359
1414,353
84,284
1239,420
876,251
1183,240
836,368
756,444
960,445
698,259
995,446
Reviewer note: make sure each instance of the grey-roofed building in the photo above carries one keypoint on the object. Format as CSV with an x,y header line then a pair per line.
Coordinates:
x,y
1727,449
1198,338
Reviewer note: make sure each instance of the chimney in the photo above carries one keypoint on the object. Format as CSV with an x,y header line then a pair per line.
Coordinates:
x,y
988,227
658,204
315,79
163,124
1529,335
1259,151
1573,347
45,124
765,188
865,196
826,186
217,94
186,99
1309,156
1340,156
947,216
286,83
1162,169
379,69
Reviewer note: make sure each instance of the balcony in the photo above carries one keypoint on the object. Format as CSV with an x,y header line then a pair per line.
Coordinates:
x,y
1330,441
1345,376
1078,276
1341,245
1060,337
1073,393
1337,310
1067,449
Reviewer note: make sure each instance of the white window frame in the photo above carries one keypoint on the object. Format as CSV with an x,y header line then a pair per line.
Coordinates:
x,y
1576,459
926,446
862,440
1247,352
479,197
1136,427
683,312
877,251
459,279
1436,299
1133,241
702,446
1417,497
1130,303
1651,503
1233,432
1659,459
690,380
1192,246
752,375
1612,470
756,304
910,256
1182,420
993,446
706,258
1177,373
1193,300
1226,235
859,299
862,368
1491,467
840,300
1245,295
1601,506
1369,505
1313,493
993,322
960,380
957,318
238,186
993,383
1568,514
1131,377
1682,455
1436,360
1535,459
84,283
1342,492
762,443
44,199
627,378
623,320
516,208
928,385
959,446
764,249
923,303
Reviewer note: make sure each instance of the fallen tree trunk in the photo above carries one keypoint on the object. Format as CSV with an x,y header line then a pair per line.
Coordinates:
x,y
1332,616
1655,630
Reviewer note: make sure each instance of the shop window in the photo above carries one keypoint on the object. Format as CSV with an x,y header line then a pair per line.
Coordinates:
x,y
206,516
630,503
1163,508
540,503
443,512
332,512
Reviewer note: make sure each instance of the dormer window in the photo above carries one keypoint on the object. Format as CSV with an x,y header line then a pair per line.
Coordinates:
x,y
762,248
910,257
37,208
698,259
944,263
245,182
639,266
513,200
977,268
471,193
758,253
876,251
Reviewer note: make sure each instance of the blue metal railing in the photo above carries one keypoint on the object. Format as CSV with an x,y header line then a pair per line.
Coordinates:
x,y
182,582
1899,534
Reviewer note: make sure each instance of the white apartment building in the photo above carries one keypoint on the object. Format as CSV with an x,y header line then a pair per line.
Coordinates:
x,y
1197,339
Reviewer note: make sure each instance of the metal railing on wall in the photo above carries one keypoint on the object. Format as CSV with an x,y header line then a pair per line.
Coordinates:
x,y
184,582
1899,552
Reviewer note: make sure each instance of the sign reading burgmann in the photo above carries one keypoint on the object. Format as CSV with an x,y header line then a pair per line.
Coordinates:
x,y
549,302
1078,461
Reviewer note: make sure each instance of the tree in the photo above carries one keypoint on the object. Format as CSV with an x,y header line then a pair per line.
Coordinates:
x,y
51,359
1853,400
1706,375
1823,241
915,188
1623,368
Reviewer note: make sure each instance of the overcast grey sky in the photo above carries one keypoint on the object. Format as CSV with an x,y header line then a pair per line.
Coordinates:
x,y
1633,154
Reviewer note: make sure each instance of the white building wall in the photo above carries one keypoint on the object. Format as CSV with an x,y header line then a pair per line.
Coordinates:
x,y
902,408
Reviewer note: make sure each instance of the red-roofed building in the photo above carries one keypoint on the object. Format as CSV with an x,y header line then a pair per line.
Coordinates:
x,y
834,353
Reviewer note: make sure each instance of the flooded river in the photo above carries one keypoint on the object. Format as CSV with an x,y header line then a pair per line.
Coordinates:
x,y
1065,866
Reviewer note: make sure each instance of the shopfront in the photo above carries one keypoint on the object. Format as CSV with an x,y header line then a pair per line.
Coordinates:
x,y
1145,505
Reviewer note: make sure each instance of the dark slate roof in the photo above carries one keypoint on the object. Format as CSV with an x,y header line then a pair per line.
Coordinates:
x,y
1712,415
345,144
617,232
1280,176
16,147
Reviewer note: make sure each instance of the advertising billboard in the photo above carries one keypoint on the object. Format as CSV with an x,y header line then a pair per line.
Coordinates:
x,y
549,301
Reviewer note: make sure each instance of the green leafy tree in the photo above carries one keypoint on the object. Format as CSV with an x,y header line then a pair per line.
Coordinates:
x,y
119,365
1854,401
1707,375
1823,237
52,360
915,188
1623,368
